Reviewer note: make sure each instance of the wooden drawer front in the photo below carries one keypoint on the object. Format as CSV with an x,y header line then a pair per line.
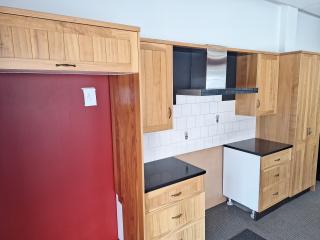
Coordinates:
x,y
193,231
167,220
275,159
274,175
274,194
29,43
173,193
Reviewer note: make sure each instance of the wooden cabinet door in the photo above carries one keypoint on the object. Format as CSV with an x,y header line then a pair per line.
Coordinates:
x,y
310,163
297,164
303,101
312,106
38,44
157,84
261,71
267,83
312,135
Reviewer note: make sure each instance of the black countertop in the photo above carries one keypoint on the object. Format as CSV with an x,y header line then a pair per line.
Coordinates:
x,y
258,146
164,172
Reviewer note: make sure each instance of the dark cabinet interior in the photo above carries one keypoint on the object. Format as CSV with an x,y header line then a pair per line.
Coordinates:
x,y
191,63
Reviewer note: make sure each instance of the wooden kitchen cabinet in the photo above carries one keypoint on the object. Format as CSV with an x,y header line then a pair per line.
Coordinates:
x,y
176,212
31,41
157,85
266,185
297,120
257,71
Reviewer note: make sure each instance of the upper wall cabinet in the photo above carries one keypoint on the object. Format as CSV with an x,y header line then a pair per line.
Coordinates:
x,y
157,81
261,71
45,42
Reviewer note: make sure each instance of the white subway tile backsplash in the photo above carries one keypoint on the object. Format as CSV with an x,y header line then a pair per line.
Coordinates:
x,y
195,109
196,115
212,130
180,99
213,107
226,106
177,111
204,132
180,123
191,122
186,110
204,108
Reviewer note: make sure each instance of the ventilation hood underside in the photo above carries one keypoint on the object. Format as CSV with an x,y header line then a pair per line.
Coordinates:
x,y
209,71
216,91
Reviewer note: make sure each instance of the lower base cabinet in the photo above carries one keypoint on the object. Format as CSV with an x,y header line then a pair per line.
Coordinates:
x,y
178,213
256,182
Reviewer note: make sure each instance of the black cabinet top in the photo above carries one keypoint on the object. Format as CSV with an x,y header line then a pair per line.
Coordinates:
x,y
258,146
164,172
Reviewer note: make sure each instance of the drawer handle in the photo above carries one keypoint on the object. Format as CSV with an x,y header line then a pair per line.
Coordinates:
x,y
277,160
170,112
277,175
275,194
65,65
178,216
176,195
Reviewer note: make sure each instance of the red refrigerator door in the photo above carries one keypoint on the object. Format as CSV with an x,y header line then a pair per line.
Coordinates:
x,y
56,169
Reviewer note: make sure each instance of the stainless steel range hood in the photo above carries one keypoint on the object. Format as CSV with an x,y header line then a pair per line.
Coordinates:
x,y
214,82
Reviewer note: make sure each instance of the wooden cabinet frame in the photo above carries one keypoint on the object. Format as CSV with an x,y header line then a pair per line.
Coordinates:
x,y
33,42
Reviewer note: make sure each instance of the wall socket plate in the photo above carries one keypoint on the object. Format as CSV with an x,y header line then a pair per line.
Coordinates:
x,y
89,95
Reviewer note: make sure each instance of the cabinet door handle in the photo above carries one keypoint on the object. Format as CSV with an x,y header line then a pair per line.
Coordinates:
x,y
65,65
258,103
176,195
277,175
277,160
177,217
170,112
275,194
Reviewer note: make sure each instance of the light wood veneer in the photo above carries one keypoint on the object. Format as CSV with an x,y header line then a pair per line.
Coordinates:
x,y
32,42
176,211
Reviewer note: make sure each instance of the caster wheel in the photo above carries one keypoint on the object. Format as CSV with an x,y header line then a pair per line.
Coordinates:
x,y
253,215
229,202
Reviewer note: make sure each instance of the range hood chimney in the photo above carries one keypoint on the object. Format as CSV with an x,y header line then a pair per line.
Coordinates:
x,y
213,82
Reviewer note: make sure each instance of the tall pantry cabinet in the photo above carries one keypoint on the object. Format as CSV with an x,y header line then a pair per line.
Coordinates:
x,y
298,119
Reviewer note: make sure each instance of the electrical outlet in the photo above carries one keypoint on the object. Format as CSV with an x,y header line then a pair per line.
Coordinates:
x,y
186,135
89,95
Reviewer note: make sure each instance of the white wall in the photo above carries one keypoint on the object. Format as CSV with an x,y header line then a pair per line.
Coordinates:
x,y
197,116
308,32
252,24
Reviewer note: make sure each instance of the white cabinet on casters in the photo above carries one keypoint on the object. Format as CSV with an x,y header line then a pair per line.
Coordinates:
x,y
256,182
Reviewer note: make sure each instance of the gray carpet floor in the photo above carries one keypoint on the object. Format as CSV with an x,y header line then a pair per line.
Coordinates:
x,y
296,220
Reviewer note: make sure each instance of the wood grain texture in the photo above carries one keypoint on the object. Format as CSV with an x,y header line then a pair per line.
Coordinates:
x,y
276,127
205,46
36,44
297,119
246,78
274,175
261,71
275,159
162,223
274,194
157,85
127,152
193,231
174,193
42,15
210,160
274,178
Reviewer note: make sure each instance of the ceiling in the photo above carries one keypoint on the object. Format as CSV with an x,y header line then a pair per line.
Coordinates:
x,y
310,6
